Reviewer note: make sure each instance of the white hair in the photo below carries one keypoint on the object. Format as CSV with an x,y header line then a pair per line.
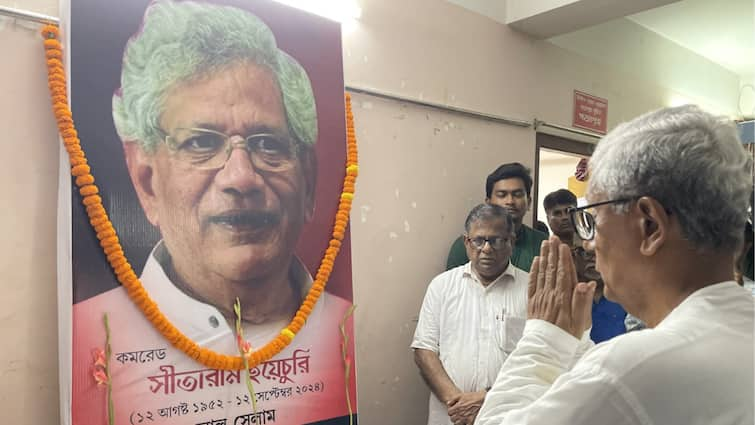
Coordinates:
x,y
690,161
181,41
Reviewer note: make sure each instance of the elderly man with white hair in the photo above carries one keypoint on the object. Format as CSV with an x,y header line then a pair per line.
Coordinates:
x,y
219,127
668,194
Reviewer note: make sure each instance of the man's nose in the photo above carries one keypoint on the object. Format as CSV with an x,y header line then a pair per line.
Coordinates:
x,y
486,247
239,174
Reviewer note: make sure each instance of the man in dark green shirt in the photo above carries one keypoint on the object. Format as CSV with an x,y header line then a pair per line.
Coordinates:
x,y
508,186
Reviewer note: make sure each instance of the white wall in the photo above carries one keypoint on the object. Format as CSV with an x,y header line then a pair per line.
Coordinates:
x,y
747,97
427,49
657,60
28,305
493,8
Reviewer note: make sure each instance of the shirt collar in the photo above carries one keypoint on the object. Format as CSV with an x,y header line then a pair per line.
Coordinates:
x,y
297,272
720,293
520,232
522,236
200,321
507,274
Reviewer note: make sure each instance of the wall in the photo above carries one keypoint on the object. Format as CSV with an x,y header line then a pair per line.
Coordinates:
x,y
655,59
746,100
456,57
421,171
28,312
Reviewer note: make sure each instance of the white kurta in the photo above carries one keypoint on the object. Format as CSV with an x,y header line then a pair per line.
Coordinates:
x,y
473,328
694,368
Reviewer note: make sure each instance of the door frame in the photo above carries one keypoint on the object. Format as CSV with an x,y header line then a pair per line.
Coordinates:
x,y
556,143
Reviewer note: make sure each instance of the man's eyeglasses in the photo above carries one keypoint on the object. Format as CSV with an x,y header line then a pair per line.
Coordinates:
x,y
584,220
496,242
206,149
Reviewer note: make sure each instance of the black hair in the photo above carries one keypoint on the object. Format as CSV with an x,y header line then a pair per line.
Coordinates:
x,y
509,171
559,197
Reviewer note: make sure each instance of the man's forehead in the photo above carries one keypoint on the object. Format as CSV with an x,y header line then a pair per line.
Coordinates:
x,y
562,207
489,226
510,184
242,91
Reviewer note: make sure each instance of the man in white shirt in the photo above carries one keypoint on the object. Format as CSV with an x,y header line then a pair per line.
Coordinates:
x,y
471,318
668,193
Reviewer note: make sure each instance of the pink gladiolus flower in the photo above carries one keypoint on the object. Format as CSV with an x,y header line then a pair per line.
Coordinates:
x,y
246,347
99,358
100,376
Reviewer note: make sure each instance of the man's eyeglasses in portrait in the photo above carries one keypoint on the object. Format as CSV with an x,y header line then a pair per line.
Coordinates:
x,y
206,149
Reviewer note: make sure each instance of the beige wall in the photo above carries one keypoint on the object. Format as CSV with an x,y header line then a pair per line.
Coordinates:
x,y
456,57
28,306
421,171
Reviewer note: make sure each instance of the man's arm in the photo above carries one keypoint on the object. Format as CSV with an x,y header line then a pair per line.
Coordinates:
x,y
585,344
435,375
541,356
534,388
426,343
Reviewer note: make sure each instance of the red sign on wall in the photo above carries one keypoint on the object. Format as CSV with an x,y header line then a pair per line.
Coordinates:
x,y
590,112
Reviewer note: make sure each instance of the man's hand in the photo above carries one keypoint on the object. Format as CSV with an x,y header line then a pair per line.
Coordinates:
x,y
554,293
463,407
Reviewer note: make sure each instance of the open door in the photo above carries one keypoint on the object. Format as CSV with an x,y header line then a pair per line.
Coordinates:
x,y
556,161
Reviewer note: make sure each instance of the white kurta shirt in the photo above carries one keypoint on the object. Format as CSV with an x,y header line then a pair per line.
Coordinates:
x,y
473,328
694,368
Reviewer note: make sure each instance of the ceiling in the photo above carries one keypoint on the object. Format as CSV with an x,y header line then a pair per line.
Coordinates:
x,y
721,30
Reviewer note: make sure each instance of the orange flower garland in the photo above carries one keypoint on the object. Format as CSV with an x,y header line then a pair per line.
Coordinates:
x,y
110,244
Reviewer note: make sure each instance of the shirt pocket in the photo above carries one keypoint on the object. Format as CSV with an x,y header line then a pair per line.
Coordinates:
x,y
510,332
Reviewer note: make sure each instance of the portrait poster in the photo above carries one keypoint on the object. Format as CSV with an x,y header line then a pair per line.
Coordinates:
x,y
216,133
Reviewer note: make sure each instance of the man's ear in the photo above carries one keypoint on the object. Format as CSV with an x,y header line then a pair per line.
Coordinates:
x,y
140,166
529,202
654,223
309,169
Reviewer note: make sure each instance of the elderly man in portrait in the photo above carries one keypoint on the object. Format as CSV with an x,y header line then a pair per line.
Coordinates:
x,y
667,196
220,151
218,127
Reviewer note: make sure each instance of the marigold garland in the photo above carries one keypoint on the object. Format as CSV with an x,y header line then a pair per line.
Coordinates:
x,y
111,246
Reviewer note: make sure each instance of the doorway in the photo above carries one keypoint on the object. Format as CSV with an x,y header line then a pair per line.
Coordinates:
x,y
556,161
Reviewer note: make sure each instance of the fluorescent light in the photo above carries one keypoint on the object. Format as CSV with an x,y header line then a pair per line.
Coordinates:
x,y
342,11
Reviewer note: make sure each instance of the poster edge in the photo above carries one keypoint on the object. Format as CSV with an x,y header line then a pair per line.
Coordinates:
x,y
64,267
